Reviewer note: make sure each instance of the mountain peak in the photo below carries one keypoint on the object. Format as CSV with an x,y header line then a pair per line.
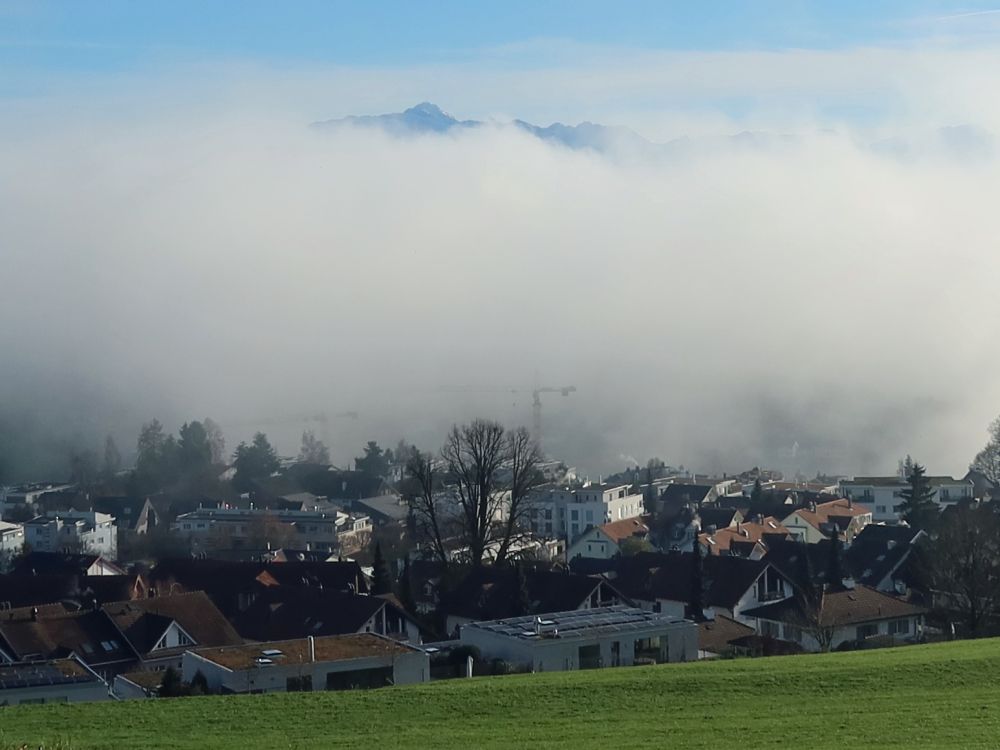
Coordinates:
x,y
426,108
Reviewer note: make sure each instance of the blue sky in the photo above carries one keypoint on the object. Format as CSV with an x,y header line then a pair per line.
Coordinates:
x,y
113,35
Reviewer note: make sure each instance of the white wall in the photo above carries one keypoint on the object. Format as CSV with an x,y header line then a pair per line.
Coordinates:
x,y
679,642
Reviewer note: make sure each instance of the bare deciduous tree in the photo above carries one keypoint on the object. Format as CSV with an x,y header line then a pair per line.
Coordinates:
x,y
486,503
424,503
523,458
987,460
964,565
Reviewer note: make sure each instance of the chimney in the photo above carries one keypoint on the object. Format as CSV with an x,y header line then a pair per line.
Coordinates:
x,y
312,649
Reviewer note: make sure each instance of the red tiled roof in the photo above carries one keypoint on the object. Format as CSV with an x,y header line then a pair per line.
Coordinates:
x,y
618,531
721,540
824,512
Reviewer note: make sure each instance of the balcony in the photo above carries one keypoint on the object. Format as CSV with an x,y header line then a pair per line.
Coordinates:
x,y
770,596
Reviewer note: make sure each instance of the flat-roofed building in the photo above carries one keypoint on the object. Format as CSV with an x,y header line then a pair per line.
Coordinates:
x,y
883,495
340,662
584,639
55,681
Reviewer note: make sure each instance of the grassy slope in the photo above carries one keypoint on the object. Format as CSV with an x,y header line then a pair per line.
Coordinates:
x,y
945,695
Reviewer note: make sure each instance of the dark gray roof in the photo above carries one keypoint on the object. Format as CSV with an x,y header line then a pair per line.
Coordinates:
x,y
388,507
895,481
669,576
579,623
840,608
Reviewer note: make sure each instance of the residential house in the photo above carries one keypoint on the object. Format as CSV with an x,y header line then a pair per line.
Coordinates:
x,y
983,488
744,539
567,513
51,631
491,593
731,585
286,613
137,516
232,586
335,575
11,539
884,494
721,636
160,629
71,588
844,617
383,509
342,662
584,639
53,563
142,684
678,527
886,558
75,531
241,527
54,681
814,522
605,541
23,499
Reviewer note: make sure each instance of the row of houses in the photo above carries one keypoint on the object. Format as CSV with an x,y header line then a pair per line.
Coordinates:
x,y
69,530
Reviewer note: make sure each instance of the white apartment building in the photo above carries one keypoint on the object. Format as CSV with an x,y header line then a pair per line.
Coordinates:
x,y
567,513
319,530
883,495
85,531
11,538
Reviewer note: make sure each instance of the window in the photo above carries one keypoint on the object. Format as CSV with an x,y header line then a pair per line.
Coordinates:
x,y
574,515
899,627
792,633
867,631
548,514
590,516
769,629
109,645
302,684
359,678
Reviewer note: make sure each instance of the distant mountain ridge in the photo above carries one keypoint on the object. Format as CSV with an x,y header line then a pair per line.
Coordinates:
x,y
429,118
964,143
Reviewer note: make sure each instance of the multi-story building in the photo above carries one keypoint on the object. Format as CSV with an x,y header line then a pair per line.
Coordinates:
x,y
883,495
567,513
73,530
11,538
27,496
242,528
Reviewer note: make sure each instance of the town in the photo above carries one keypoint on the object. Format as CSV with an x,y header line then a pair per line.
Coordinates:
x,y
196,571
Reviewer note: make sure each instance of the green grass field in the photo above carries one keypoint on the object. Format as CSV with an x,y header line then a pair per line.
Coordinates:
x,y
945,695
